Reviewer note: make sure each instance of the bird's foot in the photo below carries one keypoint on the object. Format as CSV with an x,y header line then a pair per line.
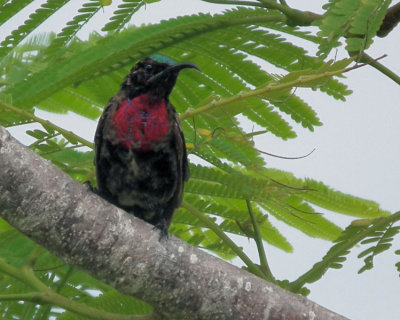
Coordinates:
x,y
162,226
90,187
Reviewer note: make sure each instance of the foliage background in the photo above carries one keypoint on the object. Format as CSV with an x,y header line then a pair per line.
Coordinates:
x,y
350,156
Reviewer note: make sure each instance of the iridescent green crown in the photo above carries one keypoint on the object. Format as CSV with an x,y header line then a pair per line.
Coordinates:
x,y
162,59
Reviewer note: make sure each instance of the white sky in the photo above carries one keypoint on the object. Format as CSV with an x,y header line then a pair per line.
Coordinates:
x,y
357,151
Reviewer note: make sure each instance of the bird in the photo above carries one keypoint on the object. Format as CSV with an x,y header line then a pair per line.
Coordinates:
x,y
140,153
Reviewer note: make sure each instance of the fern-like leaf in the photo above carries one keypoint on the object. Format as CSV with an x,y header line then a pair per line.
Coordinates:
x,y
371,231
325,197
11,8
381,240
120,50
124,13
357,20
44,12
85,13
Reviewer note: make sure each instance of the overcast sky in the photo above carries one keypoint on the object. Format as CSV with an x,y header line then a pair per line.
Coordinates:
x,y
357,152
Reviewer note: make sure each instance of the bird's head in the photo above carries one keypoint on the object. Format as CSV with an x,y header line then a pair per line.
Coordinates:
x,y
156,75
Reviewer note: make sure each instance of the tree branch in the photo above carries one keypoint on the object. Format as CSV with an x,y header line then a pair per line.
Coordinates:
x,y
390,21
178,280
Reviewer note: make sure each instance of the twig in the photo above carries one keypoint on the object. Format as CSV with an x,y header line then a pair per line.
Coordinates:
x,y
211,225
380,67
43,295
322,266
283,157
67,134
272,87
260,247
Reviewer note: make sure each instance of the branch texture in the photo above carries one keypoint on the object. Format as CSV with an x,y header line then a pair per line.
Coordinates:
x,y
179,281
390,21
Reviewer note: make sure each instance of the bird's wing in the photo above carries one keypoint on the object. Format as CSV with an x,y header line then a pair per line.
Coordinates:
x,y
102,134
181,147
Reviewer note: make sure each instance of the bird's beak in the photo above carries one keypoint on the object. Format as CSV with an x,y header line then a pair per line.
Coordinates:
x,y
173,68
180,66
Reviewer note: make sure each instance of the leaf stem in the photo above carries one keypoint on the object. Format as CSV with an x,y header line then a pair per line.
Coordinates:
x,y
33,256
260,247
46,310
365,58
235,2
322,266
296,17
211,225
37,142
69,71
87,311
60,150
43,295
270,87
69,135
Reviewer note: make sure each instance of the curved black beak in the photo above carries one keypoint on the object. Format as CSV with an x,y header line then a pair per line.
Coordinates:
x,y
176,68
180,66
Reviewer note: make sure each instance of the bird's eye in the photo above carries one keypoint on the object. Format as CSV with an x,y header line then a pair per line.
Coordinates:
x,y
148,67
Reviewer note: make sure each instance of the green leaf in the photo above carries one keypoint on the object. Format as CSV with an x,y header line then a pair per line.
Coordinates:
x,y
85,13
39,16
381,238
349,238
4,226
357,20
113,52
11,8
312,224
112,301
124,13
330,199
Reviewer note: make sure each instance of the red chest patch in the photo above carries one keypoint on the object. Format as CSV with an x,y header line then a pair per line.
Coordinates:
x,y
141,121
